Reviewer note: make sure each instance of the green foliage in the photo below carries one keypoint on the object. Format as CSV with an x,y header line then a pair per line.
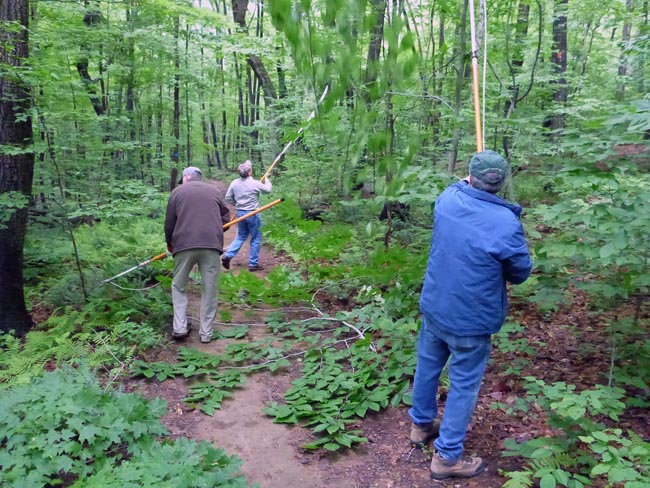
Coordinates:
x,y
210,395
282,285
599,225
586,449
64,429
341,384
629,366
10,202
104,334
306,240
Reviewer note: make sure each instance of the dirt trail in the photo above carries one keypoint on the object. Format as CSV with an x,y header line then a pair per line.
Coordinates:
x,y
270,452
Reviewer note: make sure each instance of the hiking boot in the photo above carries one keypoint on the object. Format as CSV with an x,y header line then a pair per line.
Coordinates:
x,y
180,335
422,434
225,262
464,467
257,267
183,335
205,340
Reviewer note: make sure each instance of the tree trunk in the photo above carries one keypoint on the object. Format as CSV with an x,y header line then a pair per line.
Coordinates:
x,y
625,41
92,18
239,8
16,170
644,30
176,123
374,47
558,120
521,32
188,118
460,82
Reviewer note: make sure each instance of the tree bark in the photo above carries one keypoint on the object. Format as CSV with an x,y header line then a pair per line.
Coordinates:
x,y
16,170
239,8
521,32
374,47
625,41
176,123
460,67
558,120
92,18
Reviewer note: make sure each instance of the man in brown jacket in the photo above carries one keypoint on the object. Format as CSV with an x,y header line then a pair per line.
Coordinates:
x,y
196,212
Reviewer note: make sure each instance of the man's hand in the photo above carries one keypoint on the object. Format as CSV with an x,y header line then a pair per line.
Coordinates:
x,y
169,249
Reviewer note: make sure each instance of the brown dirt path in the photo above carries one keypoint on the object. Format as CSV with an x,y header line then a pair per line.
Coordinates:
x,y
270,452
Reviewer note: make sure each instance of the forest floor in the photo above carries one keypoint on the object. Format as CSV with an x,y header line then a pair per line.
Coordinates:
x,y
272,454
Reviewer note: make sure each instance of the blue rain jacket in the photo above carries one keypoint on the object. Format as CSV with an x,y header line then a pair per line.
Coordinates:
x,y
478,244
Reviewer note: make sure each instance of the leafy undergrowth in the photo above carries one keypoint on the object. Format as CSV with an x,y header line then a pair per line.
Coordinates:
x,y
66,430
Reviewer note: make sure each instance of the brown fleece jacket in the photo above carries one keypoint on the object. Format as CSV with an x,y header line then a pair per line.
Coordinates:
x,y
196,212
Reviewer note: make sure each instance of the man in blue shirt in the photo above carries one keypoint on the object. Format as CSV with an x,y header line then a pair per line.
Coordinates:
x,y
477,246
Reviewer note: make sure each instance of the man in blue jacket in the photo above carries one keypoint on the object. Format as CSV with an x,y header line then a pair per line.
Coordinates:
x,y
477,246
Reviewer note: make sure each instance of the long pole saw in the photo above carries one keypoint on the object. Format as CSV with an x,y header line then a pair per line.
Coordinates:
x,y
164,254
477,105
290,143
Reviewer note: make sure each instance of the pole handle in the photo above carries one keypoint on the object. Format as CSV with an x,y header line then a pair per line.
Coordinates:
x,y
477,103
254,212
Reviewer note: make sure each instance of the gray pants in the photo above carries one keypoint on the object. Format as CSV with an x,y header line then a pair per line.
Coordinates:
x,y
209,267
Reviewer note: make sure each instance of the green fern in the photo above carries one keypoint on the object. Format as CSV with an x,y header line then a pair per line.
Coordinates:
x,y
558,461
518,479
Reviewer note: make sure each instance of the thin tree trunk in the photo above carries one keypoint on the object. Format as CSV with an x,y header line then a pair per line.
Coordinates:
x,y
459,85
378,7
92,19
558,120
521,32
176,123
644,30
188,118
624,61
159,128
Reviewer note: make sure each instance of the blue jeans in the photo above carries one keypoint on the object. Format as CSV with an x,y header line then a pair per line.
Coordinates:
x,y
249,227
469,356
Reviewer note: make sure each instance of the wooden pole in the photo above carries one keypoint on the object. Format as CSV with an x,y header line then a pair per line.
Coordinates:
x,y
477,102
164,254
244,217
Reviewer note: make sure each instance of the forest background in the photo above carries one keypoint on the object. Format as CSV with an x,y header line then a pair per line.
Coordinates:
x,y
102,103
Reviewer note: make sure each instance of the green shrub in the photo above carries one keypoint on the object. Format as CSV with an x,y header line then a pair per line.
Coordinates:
x,y
584,449
64,429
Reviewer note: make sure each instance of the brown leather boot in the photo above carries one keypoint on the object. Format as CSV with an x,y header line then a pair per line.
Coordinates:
x,y
421,435
465,467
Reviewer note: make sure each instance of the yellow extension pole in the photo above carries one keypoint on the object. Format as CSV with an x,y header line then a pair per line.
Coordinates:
x,y
477,102
164,254
244,217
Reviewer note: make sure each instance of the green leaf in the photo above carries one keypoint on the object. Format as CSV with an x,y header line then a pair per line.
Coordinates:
x,y
88,433
600,469
547,481
619,474
607,250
